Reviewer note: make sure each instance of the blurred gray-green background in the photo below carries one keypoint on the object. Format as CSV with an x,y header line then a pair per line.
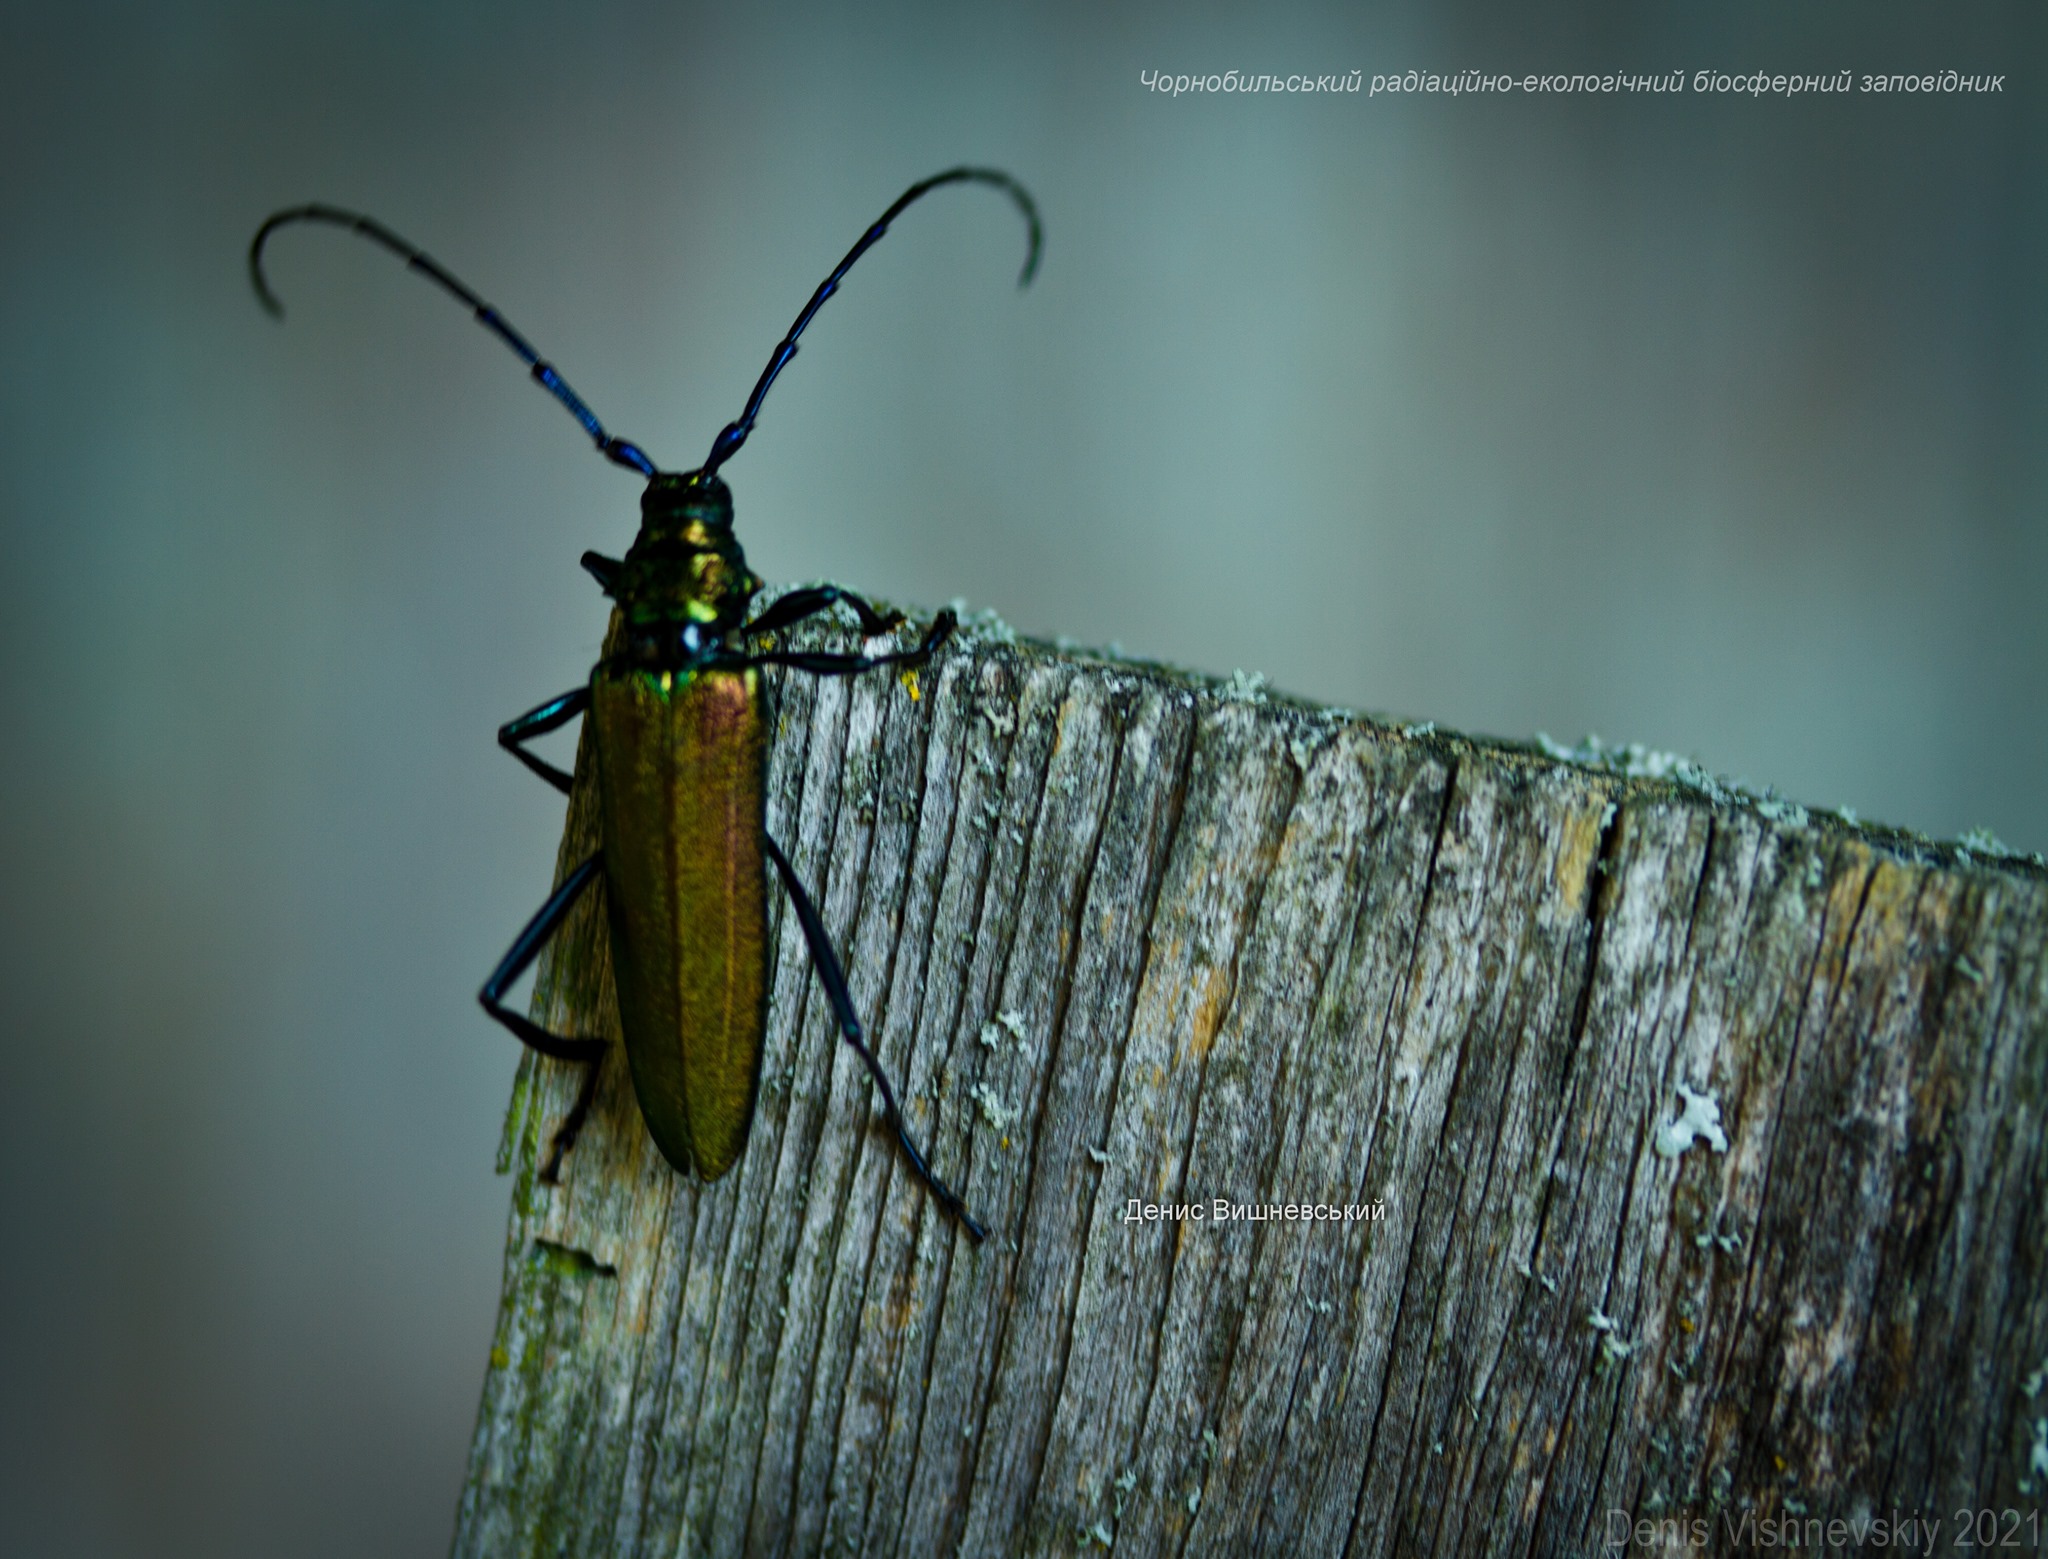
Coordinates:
x,y
1715,424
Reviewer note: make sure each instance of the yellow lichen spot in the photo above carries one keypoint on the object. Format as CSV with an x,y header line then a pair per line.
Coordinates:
x,y
1889,910
1577,849
909,681
1209,1011
1006,1144
1684,1324
666,682
500,1358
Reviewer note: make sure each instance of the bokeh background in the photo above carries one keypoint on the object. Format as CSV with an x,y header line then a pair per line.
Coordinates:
x,y
1714,424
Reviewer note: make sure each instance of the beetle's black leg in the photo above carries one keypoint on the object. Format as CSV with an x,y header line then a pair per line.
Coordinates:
x,y
799,604
538,721
544,925
833,978
826,664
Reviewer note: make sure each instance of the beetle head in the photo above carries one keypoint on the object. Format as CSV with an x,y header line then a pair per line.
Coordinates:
x,y
685,583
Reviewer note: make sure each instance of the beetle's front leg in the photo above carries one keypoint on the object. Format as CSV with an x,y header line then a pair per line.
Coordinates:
x,y
538,721
546,921
826,664
833,978
800,604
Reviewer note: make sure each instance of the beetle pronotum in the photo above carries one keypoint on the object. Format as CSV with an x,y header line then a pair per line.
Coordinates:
x,y
680,723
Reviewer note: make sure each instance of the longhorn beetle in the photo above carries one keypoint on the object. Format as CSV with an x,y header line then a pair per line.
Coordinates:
x,y
680,717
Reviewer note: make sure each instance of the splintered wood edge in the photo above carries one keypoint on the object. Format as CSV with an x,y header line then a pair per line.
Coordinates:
x,y
1685,1149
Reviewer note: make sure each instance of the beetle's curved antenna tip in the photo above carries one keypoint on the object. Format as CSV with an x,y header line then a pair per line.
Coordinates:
x,y
270,301
1029,207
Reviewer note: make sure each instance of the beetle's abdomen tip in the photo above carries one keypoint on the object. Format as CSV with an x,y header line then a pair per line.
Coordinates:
x,y
715,1168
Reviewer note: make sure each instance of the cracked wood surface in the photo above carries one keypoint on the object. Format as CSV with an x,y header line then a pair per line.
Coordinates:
x,y
1119,935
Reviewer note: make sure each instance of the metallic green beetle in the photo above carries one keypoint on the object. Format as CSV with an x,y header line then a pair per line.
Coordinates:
x,y
680,723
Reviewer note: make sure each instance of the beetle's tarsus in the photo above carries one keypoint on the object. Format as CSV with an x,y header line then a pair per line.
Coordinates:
x,y
572,1123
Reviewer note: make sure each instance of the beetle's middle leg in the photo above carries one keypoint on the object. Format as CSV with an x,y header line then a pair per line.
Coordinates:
x,y
544,924
833,978
513,735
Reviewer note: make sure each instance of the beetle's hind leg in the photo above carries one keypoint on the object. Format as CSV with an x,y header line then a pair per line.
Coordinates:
x,y
833,978
824,663
513,735
524,950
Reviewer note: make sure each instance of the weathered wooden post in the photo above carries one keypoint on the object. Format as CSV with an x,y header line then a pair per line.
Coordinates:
x,y
1517,1145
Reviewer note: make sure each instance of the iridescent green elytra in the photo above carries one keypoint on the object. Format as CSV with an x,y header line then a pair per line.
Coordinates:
x,y
679,720
682,772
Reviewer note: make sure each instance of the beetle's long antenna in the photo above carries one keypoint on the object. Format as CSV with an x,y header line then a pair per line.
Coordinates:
x,y
616,450
735,433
